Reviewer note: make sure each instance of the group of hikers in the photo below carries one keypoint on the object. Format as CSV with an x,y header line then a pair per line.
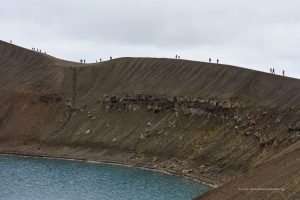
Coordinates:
x,y
37,50
209,60
272,71
100,60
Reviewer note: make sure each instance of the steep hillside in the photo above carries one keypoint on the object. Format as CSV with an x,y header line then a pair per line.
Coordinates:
x,y
278,178
208,121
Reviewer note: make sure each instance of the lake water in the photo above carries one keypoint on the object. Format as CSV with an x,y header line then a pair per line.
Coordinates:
x,y
39,179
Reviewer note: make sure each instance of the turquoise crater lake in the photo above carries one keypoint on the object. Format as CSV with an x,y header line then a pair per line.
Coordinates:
x,y
39,179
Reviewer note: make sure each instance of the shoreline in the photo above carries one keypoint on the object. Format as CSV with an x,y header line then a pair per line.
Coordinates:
x,y
114,163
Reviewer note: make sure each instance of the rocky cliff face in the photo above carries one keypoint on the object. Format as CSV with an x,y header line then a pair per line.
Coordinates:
x,y
203,120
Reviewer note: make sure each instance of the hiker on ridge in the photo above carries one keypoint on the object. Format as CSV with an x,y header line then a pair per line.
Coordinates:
x,y
283,72
217,61
209,60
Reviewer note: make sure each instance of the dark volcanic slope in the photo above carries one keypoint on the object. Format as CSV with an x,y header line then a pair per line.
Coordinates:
x,y
193,118
152,76
277,179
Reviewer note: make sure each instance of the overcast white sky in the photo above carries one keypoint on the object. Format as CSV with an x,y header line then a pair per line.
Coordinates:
x,y
257,34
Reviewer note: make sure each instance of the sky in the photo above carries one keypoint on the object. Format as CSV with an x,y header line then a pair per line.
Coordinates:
x,y
256,34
